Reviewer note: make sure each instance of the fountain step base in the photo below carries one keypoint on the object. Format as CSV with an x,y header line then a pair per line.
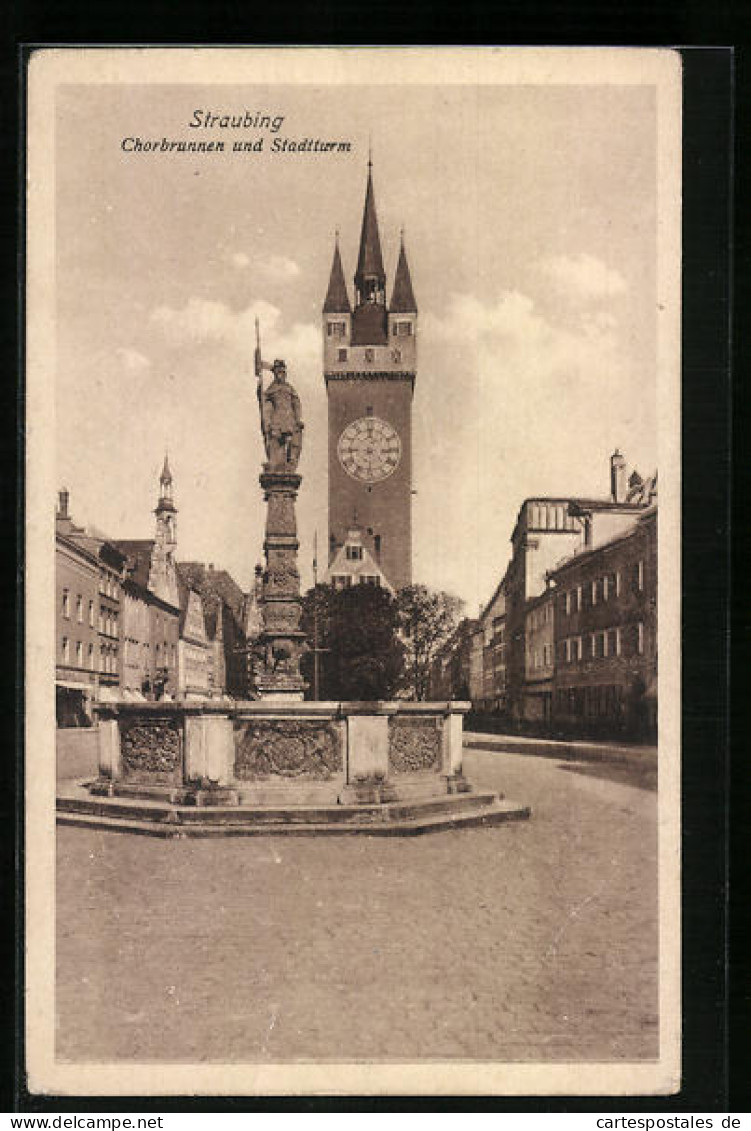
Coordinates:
x,y
151,817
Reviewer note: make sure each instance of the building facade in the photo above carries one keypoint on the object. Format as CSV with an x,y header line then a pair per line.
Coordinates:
x,y
94,645
547,531
77,639
228,614
194,651
370,367
540,658
605,678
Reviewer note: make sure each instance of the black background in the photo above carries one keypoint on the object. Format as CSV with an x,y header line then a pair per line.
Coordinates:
x,y
716,994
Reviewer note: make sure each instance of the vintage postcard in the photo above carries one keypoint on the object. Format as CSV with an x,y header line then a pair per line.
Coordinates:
x,y
351,768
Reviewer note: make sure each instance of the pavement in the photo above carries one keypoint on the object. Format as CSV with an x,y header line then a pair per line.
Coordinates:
x,y
530,941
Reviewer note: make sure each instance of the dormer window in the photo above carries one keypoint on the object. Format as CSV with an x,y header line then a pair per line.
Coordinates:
x,y
354,553
337,329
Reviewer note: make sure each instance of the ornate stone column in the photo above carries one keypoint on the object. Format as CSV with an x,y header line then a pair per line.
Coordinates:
x,y
282,642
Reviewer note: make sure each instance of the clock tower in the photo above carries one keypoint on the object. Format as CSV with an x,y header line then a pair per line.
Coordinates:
x,y
370,365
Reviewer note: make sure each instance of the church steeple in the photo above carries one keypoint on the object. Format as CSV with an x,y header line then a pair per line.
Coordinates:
x,y
165,486
337,299
162,571
402,296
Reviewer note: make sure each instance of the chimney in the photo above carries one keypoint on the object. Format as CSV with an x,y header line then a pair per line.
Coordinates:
x,y
63,498
617,477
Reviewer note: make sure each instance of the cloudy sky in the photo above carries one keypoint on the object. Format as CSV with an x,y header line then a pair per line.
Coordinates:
x,y
529,214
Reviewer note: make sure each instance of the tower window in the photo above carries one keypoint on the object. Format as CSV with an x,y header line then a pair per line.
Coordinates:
x,y
337,329
342,355
403,329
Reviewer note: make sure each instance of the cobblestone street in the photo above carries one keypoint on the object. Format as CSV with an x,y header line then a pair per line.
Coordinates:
x,y
535,940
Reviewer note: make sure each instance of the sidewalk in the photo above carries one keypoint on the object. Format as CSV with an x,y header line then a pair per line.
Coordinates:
x,y
567,750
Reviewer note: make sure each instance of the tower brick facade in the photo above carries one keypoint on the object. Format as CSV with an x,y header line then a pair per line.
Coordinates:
x,y
370,366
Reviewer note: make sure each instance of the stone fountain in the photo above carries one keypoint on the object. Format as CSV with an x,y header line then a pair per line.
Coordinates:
x,y
279,764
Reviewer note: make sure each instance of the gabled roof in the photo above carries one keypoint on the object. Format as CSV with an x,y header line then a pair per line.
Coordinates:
x,y
218,582
642,492
342,566
370,260
402,297
137,553
337,299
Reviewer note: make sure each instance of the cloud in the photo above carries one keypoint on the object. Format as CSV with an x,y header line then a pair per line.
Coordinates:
x,y
205,321
584,276
510,403
132,360
280,269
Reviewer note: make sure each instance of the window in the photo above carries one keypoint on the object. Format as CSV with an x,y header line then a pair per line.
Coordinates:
x,y
640,637
341,580
66,603
79,609
605,645
640,576
337,329
354,553
66,650
91,657
567,604
579,648
403,329
578,598
341,355
594,592
369,354
593,646
605,587
79,654
91,613
617,583
370,579
547,654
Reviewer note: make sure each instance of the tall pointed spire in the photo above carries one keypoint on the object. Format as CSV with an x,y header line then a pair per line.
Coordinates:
x,y
337,299
370,260
165,489
402,296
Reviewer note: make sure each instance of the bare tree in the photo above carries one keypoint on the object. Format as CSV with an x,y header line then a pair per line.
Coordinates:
x,y
427,619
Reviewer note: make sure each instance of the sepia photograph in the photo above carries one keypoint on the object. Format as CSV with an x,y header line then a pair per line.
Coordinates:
x,y
353,537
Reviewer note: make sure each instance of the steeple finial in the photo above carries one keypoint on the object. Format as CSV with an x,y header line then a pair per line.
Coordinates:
x,y
337,299
402,296
369,260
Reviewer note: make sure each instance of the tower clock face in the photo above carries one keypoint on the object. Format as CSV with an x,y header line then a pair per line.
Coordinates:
x,y
369,449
